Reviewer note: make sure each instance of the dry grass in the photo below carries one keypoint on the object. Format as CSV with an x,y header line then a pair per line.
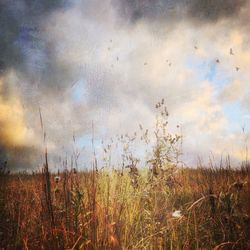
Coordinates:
x,y
105,210
161,206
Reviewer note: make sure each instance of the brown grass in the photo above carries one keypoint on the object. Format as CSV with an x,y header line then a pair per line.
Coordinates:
x,y
128,207
105,210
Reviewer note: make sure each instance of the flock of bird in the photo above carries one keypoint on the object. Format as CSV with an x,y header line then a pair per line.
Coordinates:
x,y
232,54
170,63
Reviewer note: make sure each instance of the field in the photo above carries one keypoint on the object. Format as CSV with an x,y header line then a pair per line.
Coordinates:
x,y
124,124
131,209
163,205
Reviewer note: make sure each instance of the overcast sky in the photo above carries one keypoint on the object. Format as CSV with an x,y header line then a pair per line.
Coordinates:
x,y
110,61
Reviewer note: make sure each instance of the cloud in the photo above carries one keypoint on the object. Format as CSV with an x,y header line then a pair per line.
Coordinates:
x,y
12,118
19,21
237,88
128,88
233,91
15,137
111,61
174,10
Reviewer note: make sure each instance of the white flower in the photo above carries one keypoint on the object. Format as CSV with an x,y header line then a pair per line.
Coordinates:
x,y
177,214
57,179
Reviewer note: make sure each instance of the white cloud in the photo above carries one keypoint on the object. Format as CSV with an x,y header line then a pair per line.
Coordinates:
x,y
125,69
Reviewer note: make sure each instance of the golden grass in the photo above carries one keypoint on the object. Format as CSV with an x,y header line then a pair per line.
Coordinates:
x,y
104,210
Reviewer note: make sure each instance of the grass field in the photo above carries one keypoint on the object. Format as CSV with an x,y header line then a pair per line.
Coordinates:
x,y
163,205
188,209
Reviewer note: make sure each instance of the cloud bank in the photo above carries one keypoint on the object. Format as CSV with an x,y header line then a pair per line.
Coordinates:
x,y
110,62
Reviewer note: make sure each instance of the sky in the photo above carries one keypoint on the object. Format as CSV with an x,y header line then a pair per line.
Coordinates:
x,y
108,63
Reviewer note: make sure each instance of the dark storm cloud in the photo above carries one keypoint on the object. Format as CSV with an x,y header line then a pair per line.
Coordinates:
x,y
208,10
25,48
18,20
23,51
9,29
175,10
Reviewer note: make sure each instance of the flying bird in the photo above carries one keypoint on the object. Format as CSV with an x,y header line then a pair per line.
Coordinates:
x,y
231,52
195,47
237,68
217,60
145,63
74,83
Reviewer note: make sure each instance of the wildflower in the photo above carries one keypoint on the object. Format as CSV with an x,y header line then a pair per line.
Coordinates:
x,y
57,179
177,214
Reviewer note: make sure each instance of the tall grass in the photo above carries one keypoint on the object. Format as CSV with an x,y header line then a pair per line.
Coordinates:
x,y
161,206
105,210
